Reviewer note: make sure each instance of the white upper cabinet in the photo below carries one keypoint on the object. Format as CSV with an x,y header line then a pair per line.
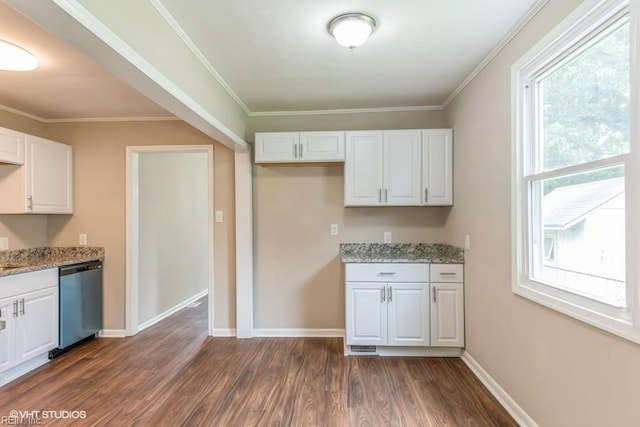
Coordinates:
x,y
49,177
363,178
437,167
299,147
11,147
402,168
44,184
276,147
382,168
321,147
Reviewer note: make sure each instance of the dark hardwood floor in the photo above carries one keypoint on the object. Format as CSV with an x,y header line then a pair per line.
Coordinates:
x,y
172,374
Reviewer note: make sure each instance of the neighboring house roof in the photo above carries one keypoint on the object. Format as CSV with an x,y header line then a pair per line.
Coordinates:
x,y
566,206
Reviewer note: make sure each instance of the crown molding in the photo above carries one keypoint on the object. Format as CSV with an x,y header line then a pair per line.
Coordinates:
x,y
496,50
159,6
346,111
89,119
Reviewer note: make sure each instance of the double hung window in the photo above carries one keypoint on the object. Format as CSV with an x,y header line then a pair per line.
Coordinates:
x,y
576,169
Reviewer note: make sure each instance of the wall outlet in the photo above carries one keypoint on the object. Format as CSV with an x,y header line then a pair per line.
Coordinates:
x,y
334,229
4,243
387,237
219,216
83,239
467,242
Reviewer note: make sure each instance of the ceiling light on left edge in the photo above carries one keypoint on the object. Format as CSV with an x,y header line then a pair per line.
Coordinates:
x,y
351,29
15,58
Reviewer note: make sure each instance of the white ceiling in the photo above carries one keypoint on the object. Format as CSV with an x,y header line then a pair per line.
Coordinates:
x,y
276,55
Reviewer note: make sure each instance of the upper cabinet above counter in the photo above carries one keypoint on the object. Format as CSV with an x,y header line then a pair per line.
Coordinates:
x,y
299,147
382,167
36,175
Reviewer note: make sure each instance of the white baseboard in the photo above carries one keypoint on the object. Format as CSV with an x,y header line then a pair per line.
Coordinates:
x,y
172,310
299,333
222,332
112,333
521,417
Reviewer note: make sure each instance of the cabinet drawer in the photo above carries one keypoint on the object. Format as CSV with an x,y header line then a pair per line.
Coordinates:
x,y
447,273
27,282
387,272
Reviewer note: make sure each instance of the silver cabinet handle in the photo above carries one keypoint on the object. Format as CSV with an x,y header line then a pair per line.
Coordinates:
x,y
385,196
435,299
382,295
295,151
301,150
390,293
448,274
380,195
15,308
426,195
22,306
30,204
386,273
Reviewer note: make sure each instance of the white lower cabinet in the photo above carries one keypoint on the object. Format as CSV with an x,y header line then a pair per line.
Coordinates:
x,y
394,305
447,305
447,314
29,312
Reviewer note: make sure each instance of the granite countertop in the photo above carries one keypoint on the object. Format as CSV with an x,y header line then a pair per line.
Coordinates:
x,y
44,258
435,253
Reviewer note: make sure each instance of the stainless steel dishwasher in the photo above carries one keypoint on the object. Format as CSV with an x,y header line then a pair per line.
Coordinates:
x,y
80,303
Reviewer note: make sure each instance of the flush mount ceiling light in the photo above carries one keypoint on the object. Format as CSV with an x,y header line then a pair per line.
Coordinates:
x,y
15,58
351,29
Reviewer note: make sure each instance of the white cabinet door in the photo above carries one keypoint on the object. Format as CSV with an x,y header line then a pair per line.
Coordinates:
x,y
447,315
276,147
408,314
321,147
402,167
49,179
37,329
11,146
366,313
363,169
8,334
437,167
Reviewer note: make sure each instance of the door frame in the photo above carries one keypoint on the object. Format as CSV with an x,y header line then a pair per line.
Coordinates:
x,y
132,231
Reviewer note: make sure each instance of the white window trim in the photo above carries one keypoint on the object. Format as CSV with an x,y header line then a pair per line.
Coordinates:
x,y
625,323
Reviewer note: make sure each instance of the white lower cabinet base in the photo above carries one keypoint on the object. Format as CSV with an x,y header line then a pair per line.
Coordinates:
x,y
17,371
405,351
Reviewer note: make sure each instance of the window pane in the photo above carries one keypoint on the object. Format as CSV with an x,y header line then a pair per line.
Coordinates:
x,y
584,103
581,230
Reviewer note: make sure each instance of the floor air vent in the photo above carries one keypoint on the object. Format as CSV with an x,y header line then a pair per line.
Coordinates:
x,y
363,349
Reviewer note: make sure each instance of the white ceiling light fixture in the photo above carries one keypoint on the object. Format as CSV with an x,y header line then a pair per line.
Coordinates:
x,y
15,58
351,29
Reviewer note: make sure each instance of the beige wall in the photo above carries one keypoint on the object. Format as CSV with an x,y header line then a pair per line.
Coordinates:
x,y
99,191
561,371
172,230
299,279
23,231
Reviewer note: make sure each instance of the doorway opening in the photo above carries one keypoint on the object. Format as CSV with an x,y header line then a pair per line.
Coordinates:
x,y
169,232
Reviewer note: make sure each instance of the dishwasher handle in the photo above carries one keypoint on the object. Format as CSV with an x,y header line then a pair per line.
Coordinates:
x,y
79,268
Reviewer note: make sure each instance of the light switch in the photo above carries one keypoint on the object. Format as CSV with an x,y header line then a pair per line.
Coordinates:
x,y
83,239
219,216
4,243
467,242
334,229
387,237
